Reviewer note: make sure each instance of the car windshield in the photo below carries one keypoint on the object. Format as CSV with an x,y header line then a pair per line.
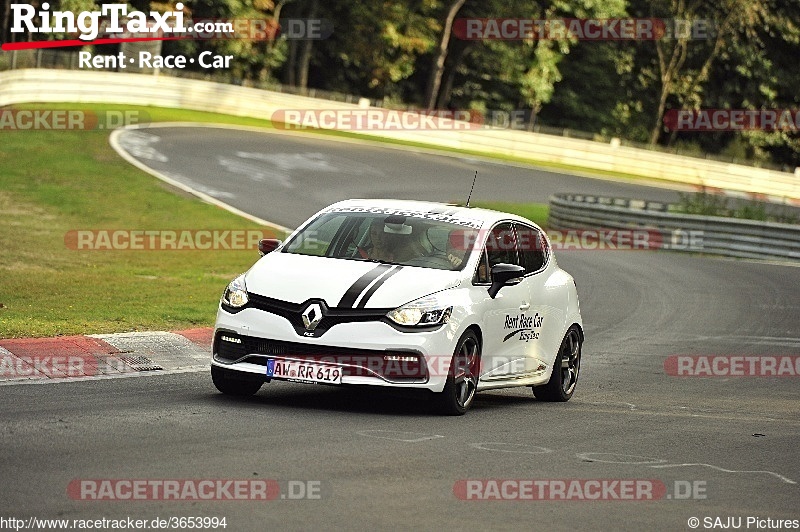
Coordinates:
x,y
427,240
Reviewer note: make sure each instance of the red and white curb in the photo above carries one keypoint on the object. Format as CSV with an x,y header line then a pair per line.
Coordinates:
x,y
103,356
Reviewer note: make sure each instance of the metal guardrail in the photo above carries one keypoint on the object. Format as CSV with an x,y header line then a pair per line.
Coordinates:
x,y
730,237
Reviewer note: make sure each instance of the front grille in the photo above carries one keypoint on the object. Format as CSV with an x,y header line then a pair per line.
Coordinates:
x,y
392,365
292,312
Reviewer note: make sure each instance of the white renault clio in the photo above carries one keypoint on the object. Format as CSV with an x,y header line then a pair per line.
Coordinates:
x,y
403,294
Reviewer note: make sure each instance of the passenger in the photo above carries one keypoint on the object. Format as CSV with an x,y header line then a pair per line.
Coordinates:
x,y
409,247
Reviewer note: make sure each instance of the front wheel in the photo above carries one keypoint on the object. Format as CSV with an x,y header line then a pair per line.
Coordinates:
x,y
227,384
462,379
566,369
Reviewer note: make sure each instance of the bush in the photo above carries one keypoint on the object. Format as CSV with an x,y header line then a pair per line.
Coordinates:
x,y
703,203
707,204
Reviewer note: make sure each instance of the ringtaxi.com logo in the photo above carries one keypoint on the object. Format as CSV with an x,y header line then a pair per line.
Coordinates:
x,y
116,22
68,119
577,490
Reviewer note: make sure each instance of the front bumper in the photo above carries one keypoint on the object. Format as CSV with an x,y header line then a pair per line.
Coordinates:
x,y
368,353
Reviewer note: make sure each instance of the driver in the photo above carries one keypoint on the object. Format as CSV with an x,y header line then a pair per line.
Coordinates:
x,y
380,247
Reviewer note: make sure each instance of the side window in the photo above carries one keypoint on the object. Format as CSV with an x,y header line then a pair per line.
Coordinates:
x,y
532,248
501,245
482,273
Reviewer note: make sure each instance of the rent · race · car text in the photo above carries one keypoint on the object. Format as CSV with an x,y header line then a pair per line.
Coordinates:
x,y
147,60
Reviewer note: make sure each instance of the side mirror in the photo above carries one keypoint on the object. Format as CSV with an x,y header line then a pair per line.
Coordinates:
x,y
505,275
265,245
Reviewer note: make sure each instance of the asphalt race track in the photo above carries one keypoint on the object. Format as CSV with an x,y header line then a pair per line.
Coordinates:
x,y
386,462
284,177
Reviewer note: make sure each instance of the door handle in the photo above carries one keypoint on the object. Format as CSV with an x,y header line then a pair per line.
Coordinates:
x,y
525,306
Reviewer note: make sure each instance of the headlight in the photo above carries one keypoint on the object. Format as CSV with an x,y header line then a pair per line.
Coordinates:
x,y
236,294
423,312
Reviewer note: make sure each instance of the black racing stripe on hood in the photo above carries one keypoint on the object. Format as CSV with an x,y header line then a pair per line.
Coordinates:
x,y
349,297
377,285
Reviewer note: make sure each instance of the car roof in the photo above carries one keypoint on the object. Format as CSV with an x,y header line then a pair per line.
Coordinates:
x,y
483,216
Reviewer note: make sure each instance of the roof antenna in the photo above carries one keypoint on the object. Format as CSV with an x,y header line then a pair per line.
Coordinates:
x,y
473,188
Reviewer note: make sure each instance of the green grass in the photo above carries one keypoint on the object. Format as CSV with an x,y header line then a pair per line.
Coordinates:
x,y
535,212
52,182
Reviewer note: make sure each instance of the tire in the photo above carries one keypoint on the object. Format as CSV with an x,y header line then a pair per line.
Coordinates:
x,y
229,385
462,379
566,370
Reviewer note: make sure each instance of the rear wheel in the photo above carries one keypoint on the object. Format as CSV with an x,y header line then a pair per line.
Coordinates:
x,y
227,382
462,379
566,369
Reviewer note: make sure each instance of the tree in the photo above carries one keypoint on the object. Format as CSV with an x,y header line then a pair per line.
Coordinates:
x,y
760,72
6,19
376,46
435,80
593,90
537,83
684,62
304,61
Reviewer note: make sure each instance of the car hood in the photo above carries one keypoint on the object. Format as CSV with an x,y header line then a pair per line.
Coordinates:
x,y
344,283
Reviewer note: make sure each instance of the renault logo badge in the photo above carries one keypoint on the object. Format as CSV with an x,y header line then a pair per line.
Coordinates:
x,y
312,315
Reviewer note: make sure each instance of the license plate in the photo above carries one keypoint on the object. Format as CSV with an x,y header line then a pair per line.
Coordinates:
x,y
303,371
